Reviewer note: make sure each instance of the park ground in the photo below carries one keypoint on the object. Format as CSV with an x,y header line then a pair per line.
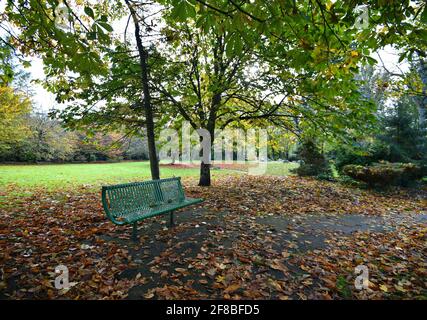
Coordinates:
x,y
275,236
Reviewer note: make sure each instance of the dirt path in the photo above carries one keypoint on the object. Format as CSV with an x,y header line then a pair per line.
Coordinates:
x,y
206,253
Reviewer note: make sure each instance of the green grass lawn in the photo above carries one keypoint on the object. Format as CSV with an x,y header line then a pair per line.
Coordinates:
x,y
60,175
280,168
54,176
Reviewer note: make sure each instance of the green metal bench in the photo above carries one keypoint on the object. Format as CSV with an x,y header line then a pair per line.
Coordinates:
x,y
131,202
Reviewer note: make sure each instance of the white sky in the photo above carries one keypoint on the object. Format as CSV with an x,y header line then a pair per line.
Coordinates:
x,y
43,100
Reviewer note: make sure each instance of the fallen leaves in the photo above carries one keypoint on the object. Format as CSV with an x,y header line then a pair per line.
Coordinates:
x,y
225,252
181,270
286,254
254,195
383,288
276,264
232,288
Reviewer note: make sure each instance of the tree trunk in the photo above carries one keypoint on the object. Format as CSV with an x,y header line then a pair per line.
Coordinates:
x,y
205,168
422,105
148,109
205,175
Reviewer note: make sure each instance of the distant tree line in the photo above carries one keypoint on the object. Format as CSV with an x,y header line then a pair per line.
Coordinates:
x,y
34,137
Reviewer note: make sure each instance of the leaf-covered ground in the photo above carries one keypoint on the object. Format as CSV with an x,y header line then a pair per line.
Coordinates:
x,y
253,238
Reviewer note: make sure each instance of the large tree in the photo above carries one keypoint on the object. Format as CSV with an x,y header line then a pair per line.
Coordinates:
x,y
77,50
218,73
402,132
209,83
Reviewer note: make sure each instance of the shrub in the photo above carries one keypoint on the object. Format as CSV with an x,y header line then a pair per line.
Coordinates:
x,y
361,154
313,162
383,174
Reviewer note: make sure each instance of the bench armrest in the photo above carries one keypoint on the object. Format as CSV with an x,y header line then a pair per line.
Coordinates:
x,y
107,209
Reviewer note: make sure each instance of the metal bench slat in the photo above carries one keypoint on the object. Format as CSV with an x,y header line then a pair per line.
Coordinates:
x,y
131,202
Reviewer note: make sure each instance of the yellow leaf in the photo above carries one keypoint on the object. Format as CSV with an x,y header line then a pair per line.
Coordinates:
x,y
303,267
285,254
399,288
384,288
232,288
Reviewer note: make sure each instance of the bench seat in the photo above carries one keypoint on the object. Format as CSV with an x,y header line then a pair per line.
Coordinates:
x,y
159,210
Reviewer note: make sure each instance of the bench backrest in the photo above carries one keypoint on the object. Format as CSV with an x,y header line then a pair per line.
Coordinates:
x,y
122,199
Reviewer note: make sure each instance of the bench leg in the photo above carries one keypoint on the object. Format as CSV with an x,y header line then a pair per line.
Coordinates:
x,y
134,232
171,219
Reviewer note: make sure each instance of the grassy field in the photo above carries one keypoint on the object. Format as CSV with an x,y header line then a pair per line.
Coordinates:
x,y
59,175
70,175
280,168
